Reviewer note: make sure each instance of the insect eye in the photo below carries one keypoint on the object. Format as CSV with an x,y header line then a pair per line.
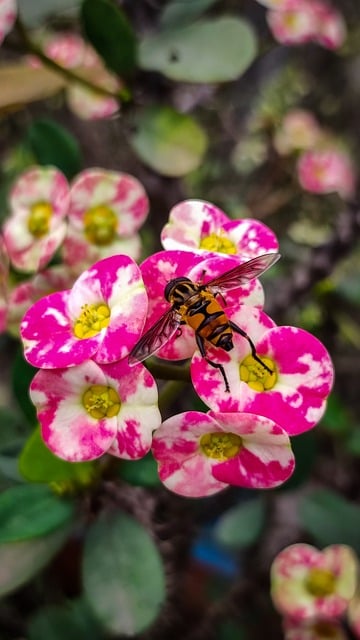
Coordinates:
x,y
171,286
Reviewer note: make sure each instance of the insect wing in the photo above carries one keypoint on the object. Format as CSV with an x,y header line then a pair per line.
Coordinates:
x,y
242,273
155,337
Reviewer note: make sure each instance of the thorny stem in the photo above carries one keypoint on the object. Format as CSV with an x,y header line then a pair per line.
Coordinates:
x,y
123,94
168,371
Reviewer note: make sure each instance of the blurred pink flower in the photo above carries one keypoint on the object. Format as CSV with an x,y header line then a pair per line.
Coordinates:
x,y
36,227
106,210
327,170
200,454
307,584
8,11
298,131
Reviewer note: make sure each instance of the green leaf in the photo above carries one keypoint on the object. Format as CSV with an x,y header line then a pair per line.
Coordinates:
x,y
214,50
22,375
241,526
20,561
53,145
337,418
38,464
304,448
179,12
331,519
141,473
352,443
169,142
29,511
74,622
123,574
110,33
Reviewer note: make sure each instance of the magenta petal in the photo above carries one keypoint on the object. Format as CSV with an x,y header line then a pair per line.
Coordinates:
x,y
47,335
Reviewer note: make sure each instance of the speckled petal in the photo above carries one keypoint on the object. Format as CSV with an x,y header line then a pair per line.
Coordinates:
x,y
41,184
252,238
121,192
26,253
67,429
189,220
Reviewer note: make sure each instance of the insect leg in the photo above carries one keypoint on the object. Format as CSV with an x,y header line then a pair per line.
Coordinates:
x,y
216,365
252,346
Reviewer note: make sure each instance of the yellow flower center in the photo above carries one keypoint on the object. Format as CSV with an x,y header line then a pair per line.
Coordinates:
x,y
256,375
100,224
101,401
220,445
218,242
39,219
92,319
320,582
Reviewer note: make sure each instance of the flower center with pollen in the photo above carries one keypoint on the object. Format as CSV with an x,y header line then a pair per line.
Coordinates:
x,y
100,224
257,376
218,242
320,582
39,219
91,320
220,445
101,401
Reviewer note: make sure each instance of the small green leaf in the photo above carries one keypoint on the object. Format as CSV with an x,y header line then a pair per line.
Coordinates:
x,y
331,519
20,561
241,526
141,473
53,145
38,464
179,12
73,622
29,511
109,31
123,574
169,142
214,50
22,375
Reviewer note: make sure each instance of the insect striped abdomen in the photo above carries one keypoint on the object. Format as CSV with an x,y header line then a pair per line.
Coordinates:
x,y
204,314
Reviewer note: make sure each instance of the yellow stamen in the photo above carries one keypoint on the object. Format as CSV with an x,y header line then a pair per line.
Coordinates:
x,y
220,445
101,401
39,219
257,376
320,582
218,242
93,318
100,225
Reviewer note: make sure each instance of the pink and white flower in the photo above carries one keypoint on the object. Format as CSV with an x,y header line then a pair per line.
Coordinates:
x,y
72,52
298,131
101,317
294,395
305,21
8,12
200,454
106,210
39,202
92,409
314,630
199,226
327,170
22,296
4,285
308,584
160,268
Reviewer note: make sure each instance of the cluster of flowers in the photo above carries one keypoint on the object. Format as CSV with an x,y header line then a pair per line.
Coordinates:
x,y
70,51
90,401
315,589
295,22
324,165
95,216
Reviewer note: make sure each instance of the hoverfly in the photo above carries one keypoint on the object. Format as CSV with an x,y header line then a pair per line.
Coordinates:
x,y
195,304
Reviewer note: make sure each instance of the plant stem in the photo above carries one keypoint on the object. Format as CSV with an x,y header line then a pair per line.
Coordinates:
x,y
70,75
